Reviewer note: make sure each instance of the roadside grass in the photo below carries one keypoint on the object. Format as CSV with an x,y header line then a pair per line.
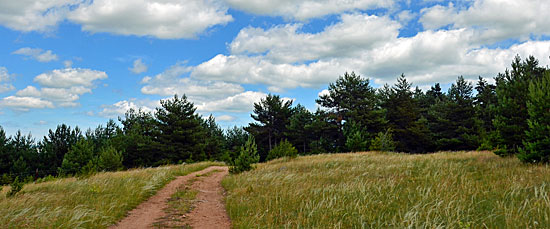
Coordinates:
x,y
391,190
94,202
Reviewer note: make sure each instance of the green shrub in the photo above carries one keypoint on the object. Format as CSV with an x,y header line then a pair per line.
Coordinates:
x,y
5,179
383,142
110,159
284,149
247,157
16,186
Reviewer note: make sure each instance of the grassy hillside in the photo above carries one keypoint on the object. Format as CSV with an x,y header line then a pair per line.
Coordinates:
x,y
94,202
380,190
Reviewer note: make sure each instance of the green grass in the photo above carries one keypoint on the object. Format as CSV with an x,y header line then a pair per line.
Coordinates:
x,y
94,202
389,190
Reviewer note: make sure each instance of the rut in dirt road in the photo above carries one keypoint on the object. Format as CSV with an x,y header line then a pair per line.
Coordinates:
x,y
209,210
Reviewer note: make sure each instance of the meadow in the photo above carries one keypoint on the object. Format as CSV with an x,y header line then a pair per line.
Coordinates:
x,y
391,190
97,201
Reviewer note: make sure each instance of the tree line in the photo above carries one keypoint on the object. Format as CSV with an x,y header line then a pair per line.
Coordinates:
x,y
511,117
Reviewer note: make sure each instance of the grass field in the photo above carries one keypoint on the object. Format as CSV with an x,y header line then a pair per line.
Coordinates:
x,y
390,190
94,202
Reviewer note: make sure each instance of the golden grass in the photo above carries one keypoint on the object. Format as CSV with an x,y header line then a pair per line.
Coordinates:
x,y
94,202
390,190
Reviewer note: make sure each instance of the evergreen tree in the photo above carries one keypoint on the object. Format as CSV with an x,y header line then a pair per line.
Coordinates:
x,y
6,158
485,101
110,159
298,132
511,112
79,159
215,145
181,135
454,124
351,98
55,145
140,143
247,157
403,115
328,137
272,115
235,137
537,142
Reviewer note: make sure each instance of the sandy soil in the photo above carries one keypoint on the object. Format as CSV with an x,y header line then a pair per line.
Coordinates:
x,y
209,210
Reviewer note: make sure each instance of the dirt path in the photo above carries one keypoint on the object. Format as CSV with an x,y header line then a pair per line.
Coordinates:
x,y
209,212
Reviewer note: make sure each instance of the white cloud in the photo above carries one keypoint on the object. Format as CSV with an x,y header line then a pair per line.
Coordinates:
x,y
138,67
282,57
242,102
171,82
164,19
225,118
69,77
121,107
60,88
37,54
62,97
33,15
25,103
68,63
495,20
306,9
5,77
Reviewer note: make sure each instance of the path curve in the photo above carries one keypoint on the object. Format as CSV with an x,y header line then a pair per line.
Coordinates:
x,y
145,214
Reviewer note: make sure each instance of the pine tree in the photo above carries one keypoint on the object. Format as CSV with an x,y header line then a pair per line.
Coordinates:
x,y
537,142
79,159
181,136
453,120
511,112
215,145
403,115
351,98
272,115
298,128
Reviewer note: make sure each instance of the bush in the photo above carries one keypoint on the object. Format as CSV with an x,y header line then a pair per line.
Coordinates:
x,y
16,186
78,159
5,179
284,149
383,142
247,157
110,159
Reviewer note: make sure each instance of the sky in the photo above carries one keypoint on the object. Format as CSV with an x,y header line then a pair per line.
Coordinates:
x,y
83,62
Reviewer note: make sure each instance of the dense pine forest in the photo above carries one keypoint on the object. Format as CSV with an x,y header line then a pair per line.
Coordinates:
x,y
511,117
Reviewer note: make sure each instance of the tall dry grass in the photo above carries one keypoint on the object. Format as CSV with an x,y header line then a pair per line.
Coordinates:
x,y
390,190
94,202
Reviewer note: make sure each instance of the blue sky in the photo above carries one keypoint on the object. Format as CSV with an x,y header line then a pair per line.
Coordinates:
x,y
81,62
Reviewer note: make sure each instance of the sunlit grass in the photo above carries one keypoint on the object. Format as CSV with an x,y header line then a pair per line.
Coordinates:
x,y
381,190
94,202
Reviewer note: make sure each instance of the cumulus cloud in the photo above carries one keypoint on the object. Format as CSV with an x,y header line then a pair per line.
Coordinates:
x,y
243,102
25,103
172,82
60,88
120,108
34,15
37,54
164,19
225,118
4,78
306,9
138,67
283,57
69,77
495,20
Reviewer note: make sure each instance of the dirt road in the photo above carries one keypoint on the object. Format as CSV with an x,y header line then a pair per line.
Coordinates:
x,y
208,212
